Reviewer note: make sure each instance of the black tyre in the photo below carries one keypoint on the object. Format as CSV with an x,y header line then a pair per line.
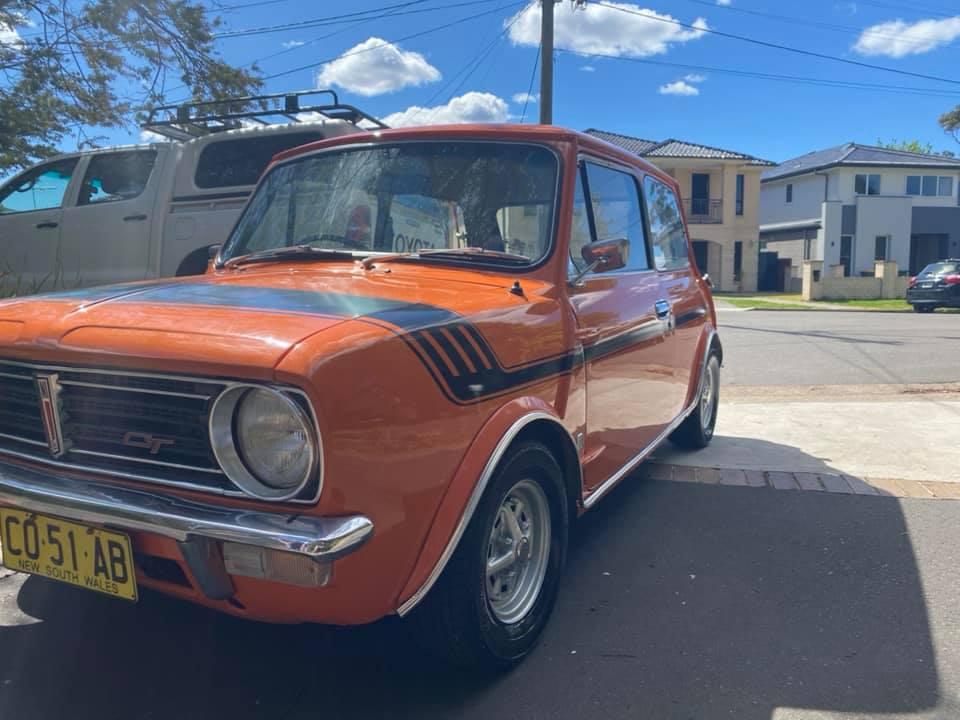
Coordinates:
x,y
697,430
493,600
924,308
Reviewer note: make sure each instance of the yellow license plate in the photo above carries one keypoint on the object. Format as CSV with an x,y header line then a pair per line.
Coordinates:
x,y
99,560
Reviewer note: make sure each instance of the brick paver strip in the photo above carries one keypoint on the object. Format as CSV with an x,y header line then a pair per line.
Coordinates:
x,y
835,484
914,489
729,476
684,473
658,471
756,478
708,476
886,486
859,486
808,481
783,480
944,489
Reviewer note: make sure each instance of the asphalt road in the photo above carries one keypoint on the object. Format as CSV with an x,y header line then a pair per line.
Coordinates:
x,y
838,348
680,601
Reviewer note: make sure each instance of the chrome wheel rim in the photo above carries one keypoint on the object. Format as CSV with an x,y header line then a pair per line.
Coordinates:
x,y
708,396
518,551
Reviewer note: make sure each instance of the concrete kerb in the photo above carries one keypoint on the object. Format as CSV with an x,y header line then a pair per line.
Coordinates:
x,y
802,481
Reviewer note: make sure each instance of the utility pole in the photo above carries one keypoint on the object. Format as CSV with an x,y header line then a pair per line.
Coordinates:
x,y
546,62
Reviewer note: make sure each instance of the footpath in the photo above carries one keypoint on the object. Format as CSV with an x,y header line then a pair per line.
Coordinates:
x,y
899,440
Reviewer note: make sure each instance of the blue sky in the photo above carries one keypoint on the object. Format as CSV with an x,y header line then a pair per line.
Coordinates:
x,y
633,92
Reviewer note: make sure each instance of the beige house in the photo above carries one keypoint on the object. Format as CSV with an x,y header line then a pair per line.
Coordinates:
x,y
721,198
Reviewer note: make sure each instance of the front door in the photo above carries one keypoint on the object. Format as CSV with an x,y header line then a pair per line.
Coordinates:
x,y
700,194
926,249
627,362
30,224
107,232
846,254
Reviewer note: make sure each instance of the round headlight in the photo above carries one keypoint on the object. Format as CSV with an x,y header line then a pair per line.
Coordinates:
x,y
263,440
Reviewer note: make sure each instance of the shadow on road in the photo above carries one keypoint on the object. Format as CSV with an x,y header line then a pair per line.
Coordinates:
x,y
684,601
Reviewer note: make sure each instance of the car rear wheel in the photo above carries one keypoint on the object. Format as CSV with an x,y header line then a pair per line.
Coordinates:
x,y
924,308
494,598
697,430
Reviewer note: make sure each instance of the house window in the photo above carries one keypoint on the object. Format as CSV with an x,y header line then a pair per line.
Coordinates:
x,y
846,253
930,185
739,194
867,184
790,193
880,247
738,260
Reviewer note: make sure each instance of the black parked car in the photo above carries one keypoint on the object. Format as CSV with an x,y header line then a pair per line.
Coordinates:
x,y
937,285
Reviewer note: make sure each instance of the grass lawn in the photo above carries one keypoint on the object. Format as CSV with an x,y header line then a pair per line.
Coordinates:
x,y
761,304
893,304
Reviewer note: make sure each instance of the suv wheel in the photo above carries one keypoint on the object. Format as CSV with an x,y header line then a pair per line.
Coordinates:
x,y
697,430
495,596
924,308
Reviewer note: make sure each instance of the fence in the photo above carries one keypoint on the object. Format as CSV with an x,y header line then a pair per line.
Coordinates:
x,y
832,285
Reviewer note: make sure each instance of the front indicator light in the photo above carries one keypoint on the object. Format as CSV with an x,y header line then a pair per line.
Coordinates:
x,y
275,565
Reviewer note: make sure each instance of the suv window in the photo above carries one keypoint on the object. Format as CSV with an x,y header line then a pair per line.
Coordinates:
x,y
666,226
116,176
615,200
241,162
41,188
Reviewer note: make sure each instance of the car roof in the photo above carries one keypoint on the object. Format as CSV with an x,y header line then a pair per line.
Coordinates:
x,y
489,131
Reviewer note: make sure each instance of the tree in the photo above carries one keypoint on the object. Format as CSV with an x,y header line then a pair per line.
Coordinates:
x,y
950,122
71,67
914,146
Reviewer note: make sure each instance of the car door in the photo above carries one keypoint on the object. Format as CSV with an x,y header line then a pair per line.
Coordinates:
x,y
680,292
627,366
30,223
106,233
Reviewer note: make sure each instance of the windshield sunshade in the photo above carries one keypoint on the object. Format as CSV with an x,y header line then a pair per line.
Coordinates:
x,y
407,197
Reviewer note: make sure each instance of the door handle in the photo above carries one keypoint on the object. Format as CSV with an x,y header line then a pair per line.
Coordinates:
x,y
46,225
662,308
135,218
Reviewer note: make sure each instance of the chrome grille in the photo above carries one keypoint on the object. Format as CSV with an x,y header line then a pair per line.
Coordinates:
x,y
132,425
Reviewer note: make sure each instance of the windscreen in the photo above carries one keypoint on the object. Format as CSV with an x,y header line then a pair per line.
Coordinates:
x,y
940,268
405,198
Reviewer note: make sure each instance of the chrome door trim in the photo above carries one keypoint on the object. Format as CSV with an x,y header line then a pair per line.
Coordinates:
x,y
608,484
499,451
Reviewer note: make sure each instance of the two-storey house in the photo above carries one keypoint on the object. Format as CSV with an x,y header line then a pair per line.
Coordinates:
x,y
851,205
721,193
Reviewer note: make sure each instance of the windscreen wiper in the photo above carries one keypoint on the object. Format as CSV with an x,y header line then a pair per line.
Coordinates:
x,y
294,252
474,253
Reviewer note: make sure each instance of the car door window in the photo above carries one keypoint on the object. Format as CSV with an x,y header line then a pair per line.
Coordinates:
x,y
615,201
116,176
667,235
41,188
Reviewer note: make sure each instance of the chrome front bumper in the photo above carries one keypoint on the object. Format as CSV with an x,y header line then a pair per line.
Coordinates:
x,y
50,493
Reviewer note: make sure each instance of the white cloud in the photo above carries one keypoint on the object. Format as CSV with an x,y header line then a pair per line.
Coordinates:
x,y
375,67
604,30
898,38
9,36
695,78
588,68
678,88
148,136
293,43
523,97
472,107
724,2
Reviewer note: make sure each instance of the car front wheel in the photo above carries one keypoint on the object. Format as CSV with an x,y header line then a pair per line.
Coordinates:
x,y
924,308
494,598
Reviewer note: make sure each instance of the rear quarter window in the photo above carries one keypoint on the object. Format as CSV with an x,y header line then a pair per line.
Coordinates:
x,y
241,161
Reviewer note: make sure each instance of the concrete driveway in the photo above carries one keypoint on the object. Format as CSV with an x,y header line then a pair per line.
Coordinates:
x,y
680,601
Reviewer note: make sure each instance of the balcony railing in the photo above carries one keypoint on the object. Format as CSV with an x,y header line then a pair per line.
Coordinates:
x,y
701,211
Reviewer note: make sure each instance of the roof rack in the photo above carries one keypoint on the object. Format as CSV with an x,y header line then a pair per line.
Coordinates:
x,y
192,120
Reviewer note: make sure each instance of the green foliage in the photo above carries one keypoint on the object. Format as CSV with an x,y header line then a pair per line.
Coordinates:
x,y
68,67
914,146
950,122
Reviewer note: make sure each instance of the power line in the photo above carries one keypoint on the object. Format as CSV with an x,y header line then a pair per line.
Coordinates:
x,y
348,17
797,79
915,8
533,75
793,20
777,46
421,33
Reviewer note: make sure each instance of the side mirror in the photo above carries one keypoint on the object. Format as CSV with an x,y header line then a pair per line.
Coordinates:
x,y
212,251
603,256
707,280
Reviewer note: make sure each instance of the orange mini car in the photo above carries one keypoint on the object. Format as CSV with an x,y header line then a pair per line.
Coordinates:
x,y
419,356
